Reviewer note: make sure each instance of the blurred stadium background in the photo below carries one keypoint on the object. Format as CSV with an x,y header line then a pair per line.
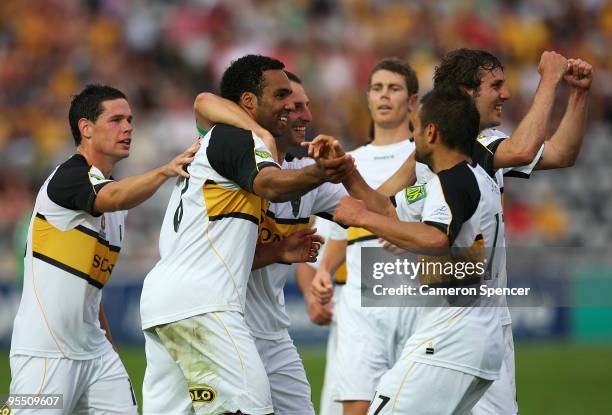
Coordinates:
x,y
163,53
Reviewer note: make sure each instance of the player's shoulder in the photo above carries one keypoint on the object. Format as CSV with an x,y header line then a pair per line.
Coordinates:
x,y
75,168
462,177
225,131
491,135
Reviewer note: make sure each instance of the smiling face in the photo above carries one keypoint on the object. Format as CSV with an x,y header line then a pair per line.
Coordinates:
x,y
275,103
490,98
111,133
300,117
388,99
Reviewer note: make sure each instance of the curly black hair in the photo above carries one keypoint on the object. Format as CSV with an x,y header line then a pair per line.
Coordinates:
x,y
246,75
88,104
464,67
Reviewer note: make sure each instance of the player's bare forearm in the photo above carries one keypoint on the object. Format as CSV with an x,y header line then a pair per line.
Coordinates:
x,y
404,177
564,146
129,192
132,191
377,202
278,185
417,237
211,109
265,254
523,145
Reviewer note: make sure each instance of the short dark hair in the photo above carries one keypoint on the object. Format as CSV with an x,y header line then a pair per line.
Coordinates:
x,y
88,104
399,67
455,115
464,67
246,75
293,77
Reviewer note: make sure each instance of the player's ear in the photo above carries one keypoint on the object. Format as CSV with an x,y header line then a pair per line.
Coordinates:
x,y
248,100
413,102
85,127
431,133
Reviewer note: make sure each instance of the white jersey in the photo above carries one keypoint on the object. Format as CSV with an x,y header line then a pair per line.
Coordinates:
x,y
70,255
464,202
265,304
376,164
484,152
210,231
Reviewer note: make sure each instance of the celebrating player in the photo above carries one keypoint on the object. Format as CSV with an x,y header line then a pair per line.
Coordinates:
x,y
61,341
193,303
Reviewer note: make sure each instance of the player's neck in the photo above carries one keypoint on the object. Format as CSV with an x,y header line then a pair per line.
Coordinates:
x,y
104,163
445,158
386,136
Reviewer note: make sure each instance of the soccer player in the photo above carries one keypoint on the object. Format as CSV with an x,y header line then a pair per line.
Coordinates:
x,y
61,342
481,75
198,344
265,313
392,98
434,373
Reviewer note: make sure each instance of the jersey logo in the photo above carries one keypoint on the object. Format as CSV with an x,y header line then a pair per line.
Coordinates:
x,y
295,207
5,409
202,394
263,154
415,193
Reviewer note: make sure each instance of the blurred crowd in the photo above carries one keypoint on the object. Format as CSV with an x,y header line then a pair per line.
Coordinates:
x,y
161,54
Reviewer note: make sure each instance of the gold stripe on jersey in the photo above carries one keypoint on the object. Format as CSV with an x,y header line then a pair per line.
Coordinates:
x,y
79,251
354,235
228,203
273,229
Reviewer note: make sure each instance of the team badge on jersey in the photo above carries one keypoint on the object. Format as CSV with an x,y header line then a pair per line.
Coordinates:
x,y
96,177
263,154
415,193
202,394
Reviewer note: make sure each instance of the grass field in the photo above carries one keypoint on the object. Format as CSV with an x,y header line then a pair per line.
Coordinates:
x,y
554,379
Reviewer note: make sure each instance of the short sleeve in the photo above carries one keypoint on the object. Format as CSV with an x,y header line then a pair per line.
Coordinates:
x,y
238,155
485,147
75,185
452,198
409,203
524,172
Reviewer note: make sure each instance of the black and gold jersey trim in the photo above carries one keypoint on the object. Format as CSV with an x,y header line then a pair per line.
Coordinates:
x,y
355,235
222,203
79,251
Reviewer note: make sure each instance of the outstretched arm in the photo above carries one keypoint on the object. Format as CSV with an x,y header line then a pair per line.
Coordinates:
x,y
564,146
324,147
523,145
404,177
416,237
132,191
